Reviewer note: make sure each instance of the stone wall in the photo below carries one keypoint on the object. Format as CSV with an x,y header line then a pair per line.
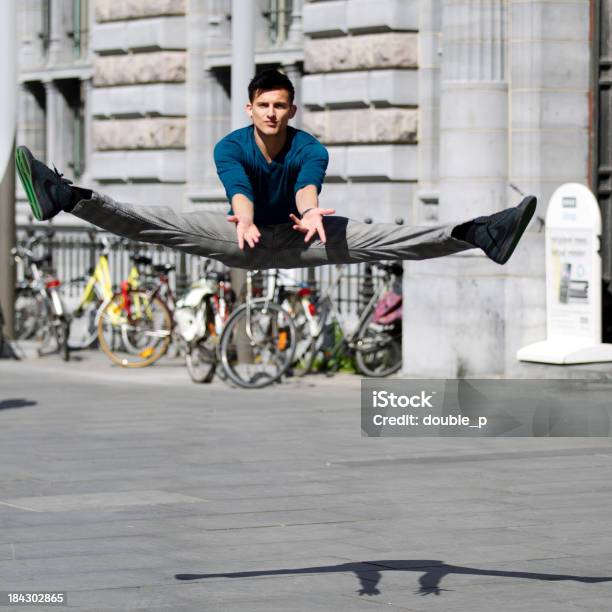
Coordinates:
x,y
140,46
374,51
150,133
360,98
117,10
513,104
550,122
136,68
363,125
136,35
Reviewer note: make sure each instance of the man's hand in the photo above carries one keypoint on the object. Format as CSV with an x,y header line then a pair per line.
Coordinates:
x,y
246,230
312,222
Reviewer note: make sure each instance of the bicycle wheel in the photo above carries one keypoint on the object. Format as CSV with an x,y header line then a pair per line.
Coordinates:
x,y
134,328
62,331
257,344
51,335
305,346
45,336
28,313
304,361
378,352
309,347
201,360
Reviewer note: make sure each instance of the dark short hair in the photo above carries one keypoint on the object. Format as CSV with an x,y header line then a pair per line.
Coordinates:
x,y
270,79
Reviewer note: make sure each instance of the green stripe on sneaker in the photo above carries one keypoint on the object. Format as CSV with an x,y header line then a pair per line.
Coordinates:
x,y
23,170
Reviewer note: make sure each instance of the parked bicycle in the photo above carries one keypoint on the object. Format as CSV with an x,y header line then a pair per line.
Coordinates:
x,y
28,315
375,341
156,278
200,317
258,343
98,289
135,325
43,288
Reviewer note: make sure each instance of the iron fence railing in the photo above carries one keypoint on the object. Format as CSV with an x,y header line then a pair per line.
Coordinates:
x,y
75,251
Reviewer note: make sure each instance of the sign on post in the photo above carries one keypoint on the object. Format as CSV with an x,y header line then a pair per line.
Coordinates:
x,y
573,281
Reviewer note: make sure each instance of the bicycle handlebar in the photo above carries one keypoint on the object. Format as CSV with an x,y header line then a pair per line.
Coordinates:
x,y
19,252
395,268
106,245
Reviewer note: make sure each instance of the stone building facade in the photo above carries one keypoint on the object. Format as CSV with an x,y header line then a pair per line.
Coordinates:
x,y
431,110
55,74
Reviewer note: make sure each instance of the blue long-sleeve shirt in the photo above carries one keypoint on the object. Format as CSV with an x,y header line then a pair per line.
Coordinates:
x,y
272,186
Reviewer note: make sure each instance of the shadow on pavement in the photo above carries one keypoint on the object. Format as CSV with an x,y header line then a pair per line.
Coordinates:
x,y
16,403
369,573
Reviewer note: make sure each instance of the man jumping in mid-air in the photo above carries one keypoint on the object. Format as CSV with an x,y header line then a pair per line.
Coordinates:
x,y
272,174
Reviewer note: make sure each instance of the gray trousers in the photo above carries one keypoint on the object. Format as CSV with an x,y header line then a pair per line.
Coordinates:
x,y
209,234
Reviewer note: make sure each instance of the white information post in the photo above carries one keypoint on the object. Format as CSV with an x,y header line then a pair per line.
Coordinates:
x,y
573,281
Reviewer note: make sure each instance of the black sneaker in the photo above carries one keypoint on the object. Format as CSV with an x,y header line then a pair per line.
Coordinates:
x,y
498,234
48,192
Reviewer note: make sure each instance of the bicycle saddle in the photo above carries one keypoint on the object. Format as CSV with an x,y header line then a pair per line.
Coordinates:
x,y
41,260
142,259
164,267
218,276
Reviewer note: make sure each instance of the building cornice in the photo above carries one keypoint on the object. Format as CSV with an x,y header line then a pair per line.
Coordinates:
x,y
282,55
79,71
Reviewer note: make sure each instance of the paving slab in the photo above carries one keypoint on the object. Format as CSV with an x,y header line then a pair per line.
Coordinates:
x,y
138,490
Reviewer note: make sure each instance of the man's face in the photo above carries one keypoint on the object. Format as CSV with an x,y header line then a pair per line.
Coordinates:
x,y
271,111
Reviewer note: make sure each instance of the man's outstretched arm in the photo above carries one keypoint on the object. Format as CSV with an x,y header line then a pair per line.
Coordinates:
x,y
311,216
238,189
246,230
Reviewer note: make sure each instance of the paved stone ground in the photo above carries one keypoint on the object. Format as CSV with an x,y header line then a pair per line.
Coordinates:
x,y
138,490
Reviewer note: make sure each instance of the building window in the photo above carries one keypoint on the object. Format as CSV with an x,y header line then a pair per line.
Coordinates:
x,y
80,31
78,146
45,30
278,14
79,143
73,93
33,118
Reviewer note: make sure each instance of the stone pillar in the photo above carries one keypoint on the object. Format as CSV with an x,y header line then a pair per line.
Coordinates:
x,y
207,100
8,96
24,113
243,58
29,17
60,129
56,33
550,122
243,68
7,239
295,76
53,106
196,91
32,125
207,107
295,37
473,109
87,88
430,24
457,309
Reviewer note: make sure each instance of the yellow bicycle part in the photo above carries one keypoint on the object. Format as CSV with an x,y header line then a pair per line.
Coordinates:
x,y
134,328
